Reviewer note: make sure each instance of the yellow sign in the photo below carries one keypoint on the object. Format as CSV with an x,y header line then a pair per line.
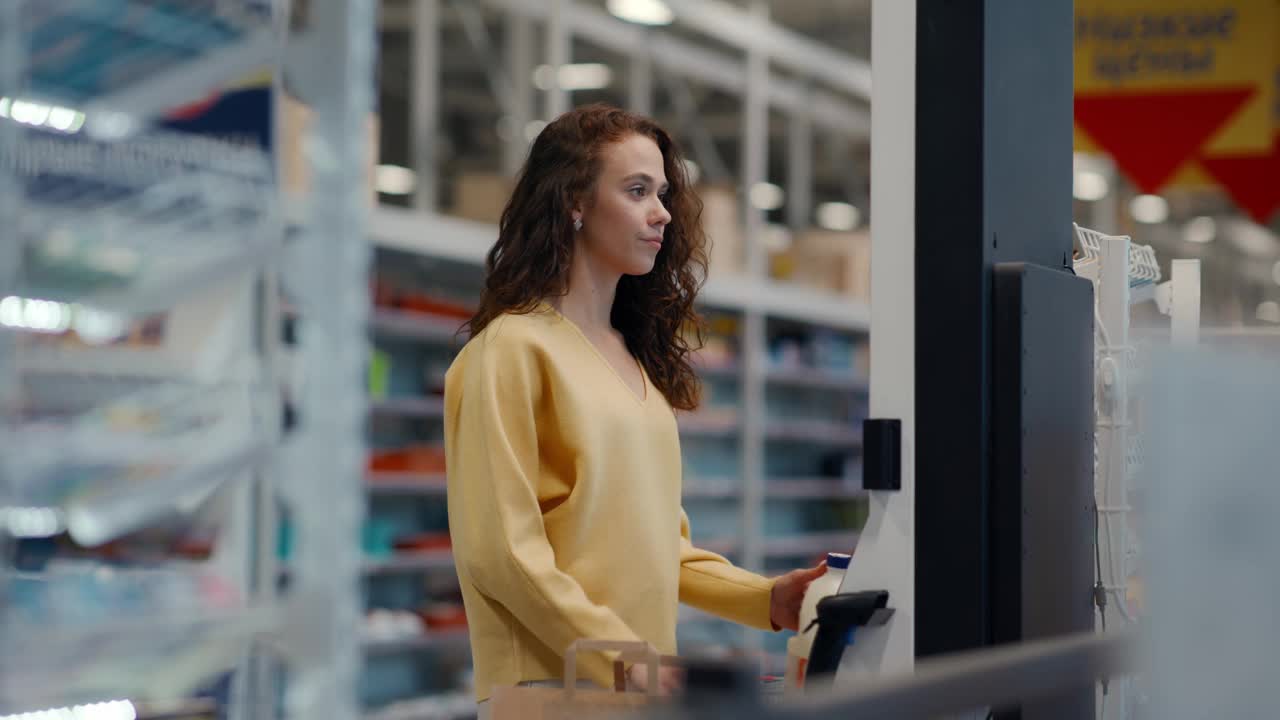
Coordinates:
x,y
1137,47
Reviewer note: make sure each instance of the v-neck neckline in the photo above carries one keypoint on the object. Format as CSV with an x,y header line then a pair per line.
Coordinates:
x,y
644,376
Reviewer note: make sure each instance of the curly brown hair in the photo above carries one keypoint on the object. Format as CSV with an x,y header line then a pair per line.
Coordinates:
x,y
530,261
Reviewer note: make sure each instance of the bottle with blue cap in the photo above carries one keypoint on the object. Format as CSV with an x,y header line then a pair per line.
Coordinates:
x,y
800,646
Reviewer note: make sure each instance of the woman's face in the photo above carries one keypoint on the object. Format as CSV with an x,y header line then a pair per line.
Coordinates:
x,y
622,227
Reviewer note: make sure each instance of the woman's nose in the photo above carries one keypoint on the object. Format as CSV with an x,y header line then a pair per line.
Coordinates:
x,y
662,216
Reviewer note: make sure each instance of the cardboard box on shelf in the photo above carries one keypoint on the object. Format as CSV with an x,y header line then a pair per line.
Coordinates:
x,y
481,196
295,166
835,261
722,221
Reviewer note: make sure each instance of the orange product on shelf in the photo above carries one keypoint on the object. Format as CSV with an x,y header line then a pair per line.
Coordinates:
x,y
420,303
413,458
442,616
423,542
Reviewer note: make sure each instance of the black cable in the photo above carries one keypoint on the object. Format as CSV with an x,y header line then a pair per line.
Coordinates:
x,y
1099,590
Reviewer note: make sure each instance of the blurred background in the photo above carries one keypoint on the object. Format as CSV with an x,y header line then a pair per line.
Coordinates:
x,y
241,237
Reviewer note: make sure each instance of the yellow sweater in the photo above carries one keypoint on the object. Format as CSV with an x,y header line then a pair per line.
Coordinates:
x,y
564,507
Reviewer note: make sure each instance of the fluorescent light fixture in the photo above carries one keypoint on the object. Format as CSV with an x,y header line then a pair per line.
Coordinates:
x,y
532,128
112,710
579,76
1200,231
1149,209
693,170
837,216
1268,311
394,180
29,113
44,316
766,196
1089,185
30,522
642,12
37,114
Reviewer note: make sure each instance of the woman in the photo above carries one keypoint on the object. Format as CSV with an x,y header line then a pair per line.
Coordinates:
x,y
561,442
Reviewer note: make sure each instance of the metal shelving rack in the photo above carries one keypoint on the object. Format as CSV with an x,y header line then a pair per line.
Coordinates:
x,y
115,218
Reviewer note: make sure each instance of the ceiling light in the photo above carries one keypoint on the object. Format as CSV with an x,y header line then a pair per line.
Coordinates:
x,y
110,125
44,316
642,12
97,326
29,113
533,128
766,196
1268,311
1089,185
1252,239
1200,231
693,170
394,180
837,216
54,117
1149,209
578,76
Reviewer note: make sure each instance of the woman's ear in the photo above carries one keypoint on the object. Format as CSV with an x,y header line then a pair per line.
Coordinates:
x,y
575,215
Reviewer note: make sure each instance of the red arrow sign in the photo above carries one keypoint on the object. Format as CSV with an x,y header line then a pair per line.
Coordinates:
x,y
1252,180
1151,134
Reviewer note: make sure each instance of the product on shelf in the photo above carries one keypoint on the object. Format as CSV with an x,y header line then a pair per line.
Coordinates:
x,y
721,219
412,458
444,616
828,260
481,196
423,542
392,296
381,624
141,456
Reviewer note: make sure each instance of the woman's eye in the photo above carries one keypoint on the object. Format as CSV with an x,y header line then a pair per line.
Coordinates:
x,y
637,191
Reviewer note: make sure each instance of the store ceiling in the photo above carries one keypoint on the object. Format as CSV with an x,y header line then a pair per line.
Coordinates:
x,y
470,139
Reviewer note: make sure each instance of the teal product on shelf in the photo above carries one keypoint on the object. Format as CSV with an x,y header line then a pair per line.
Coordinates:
x,y
832,351
378,537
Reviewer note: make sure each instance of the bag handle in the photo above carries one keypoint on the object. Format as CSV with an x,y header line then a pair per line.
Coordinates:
x,y
633,650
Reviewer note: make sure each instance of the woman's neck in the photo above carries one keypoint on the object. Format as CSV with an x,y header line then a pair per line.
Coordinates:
x,y
589,300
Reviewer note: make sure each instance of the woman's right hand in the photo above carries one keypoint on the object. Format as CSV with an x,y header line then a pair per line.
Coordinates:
x,y
670,678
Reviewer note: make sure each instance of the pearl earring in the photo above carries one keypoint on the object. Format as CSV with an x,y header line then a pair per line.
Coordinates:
x,y
577,224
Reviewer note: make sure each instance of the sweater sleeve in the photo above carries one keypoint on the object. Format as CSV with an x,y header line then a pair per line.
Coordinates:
x,y
495,519
711,583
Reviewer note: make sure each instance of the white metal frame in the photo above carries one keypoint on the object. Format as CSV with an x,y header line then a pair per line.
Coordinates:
x,y
1124,274
885,557
212,339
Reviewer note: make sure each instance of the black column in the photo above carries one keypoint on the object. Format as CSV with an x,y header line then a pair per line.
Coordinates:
x,y
993,184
